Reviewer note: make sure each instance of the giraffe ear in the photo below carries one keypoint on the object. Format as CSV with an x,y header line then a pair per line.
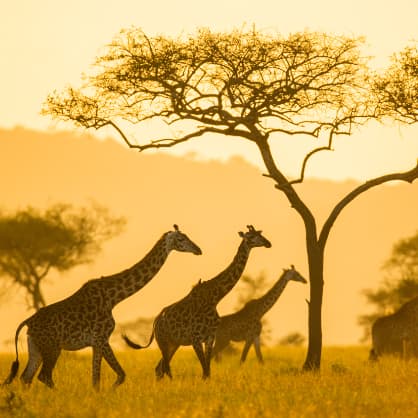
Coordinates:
x,y
292,266
176,227
241,234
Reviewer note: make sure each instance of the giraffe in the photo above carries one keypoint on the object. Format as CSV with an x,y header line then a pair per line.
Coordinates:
x,y
245,324
397,333
193,319
85,319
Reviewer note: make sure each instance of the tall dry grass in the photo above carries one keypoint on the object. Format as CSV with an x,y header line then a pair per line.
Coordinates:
x,y
347,386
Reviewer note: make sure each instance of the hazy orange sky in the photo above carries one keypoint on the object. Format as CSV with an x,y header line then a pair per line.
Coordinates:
x,y
46,44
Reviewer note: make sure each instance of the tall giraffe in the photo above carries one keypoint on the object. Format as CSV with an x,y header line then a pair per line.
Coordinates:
x,y
245,324
396,334
193,319
85,319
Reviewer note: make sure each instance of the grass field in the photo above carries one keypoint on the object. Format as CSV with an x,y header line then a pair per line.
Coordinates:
x,y
347,386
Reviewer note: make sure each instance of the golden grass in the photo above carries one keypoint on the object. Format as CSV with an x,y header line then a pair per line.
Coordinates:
x,y
347,386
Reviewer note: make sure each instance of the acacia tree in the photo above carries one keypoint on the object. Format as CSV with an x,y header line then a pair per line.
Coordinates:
x,y
34,242
251,85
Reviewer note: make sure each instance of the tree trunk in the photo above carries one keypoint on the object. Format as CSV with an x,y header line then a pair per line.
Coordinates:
x,y
37,297
316,273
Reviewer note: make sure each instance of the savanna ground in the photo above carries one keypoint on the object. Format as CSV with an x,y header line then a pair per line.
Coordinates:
x,y
347,386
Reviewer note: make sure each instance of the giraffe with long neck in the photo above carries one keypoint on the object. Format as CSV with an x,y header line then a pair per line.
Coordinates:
x,y
193,319
246,324
85,318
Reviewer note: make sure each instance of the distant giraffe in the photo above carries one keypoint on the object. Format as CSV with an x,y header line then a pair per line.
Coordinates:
x,y
245,324
397,333
85,318
193,319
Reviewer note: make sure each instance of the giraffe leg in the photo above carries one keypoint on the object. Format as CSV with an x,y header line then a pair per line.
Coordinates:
x,y
245,350
50,356
373,356
221,343
208,353
167,368
97,360
159,370
163,367
258,349
109,356
201,356
34,361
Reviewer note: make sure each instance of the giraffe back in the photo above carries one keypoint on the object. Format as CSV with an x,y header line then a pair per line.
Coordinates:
x,y
390,332
75,322
193,318
241,325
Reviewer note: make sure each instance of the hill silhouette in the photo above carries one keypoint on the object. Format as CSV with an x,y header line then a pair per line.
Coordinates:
x,y
211,201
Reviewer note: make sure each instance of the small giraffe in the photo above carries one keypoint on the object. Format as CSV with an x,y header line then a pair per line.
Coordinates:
x,y
245,324
396,334
193,319
85,318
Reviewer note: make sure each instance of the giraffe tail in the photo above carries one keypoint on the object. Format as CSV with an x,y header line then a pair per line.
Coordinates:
x,y
15,365
131,344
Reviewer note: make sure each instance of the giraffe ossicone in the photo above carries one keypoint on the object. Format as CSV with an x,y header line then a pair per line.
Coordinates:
x,y
193,320
85,318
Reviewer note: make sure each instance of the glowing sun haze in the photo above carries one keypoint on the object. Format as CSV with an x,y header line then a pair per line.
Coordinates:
x,y
47,44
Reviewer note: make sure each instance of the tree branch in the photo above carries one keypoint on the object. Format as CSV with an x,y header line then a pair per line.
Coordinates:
x,y
310,154
408,176
284,185
170,142
333,130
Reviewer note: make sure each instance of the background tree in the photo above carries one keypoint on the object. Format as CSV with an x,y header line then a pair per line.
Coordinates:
x,y
399,286
245,84
294,338
250,287
32,243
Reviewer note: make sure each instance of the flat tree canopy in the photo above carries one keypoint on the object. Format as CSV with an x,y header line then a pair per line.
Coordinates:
x,y
34,242
256,86
245,84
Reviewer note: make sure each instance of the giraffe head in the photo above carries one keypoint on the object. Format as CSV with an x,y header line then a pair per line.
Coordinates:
x,y
254,238
176,240
292,274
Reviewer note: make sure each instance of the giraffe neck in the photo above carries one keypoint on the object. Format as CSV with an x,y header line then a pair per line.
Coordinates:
x,y
266,302
220,285
120,286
